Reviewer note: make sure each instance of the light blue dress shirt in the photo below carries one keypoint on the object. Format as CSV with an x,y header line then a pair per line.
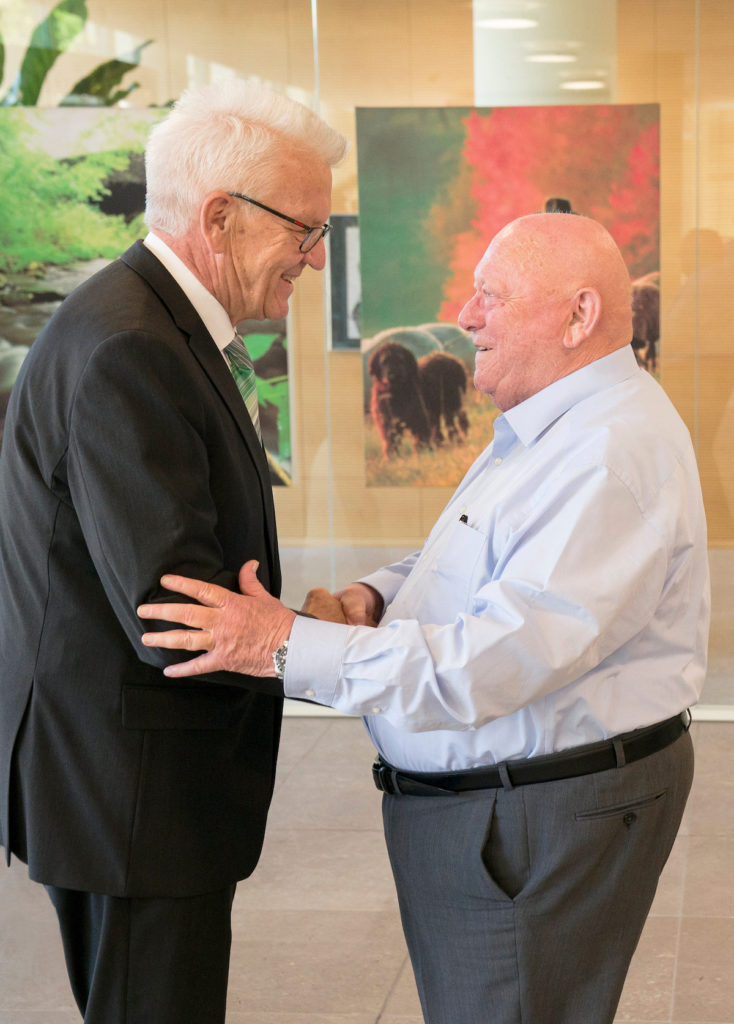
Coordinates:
x,y
561,598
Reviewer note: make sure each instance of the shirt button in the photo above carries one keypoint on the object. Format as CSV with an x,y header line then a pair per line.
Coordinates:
x,y
376,711
310,693
498,461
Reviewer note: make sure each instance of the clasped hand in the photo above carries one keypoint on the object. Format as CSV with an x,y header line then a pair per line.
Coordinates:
x,y
239,632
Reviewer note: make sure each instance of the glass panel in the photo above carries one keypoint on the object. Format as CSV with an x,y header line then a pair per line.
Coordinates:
x,y
676,53
679,54
444,53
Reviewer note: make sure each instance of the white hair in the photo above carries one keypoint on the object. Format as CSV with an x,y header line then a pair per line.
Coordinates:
x,y
225,136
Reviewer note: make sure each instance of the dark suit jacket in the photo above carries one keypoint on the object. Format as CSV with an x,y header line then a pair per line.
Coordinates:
x,y
128,452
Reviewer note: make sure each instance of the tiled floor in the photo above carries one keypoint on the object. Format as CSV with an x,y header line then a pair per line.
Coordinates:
x,y
316,933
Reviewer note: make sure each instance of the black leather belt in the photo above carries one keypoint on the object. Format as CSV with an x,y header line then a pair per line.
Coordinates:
x,y
593,757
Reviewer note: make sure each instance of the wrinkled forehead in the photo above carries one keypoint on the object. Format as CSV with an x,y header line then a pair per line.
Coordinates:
x,y
300,181
514,254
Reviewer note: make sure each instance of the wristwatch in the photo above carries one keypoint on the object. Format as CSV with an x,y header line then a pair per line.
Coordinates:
x,y
279,660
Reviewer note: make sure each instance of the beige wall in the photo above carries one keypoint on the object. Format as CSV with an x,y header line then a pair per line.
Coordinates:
x,y
667,55
419,52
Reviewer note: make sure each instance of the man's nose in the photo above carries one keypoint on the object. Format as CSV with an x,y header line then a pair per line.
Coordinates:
x,y
469,316
316,257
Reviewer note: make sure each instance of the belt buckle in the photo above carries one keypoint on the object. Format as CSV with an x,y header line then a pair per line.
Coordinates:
x,y
383,776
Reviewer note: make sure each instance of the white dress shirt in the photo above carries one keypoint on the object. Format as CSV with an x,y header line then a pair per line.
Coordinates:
x,y
213,314
561,598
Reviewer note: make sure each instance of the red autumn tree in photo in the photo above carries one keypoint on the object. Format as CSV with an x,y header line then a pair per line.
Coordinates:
x,y
603,158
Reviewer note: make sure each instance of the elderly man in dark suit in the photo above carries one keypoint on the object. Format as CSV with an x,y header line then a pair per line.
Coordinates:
x,y
128,449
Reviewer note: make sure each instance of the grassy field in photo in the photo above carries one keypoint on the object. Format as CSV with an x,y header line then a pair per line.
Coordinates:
x,y
441,467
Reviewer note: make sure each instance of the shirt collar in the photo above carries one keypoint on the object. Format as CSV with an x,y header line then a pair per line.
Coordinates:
x,y
213,314
530,418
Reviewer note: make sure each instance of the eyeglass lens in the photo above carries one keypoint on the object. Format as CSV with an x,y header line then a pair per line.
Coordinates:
x,y
313,237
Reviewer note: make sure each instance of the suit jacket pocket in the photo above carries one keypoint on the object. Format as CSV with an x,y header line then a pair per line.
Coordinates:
x,y
177,707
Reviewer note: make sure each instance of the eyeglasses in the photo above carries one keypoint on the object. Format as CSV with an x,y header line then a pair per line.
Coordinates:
x,y
313,235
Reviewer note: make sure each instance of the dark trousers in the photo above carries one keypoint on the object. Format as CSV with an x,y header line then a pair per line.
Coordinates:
x,y
147,961
525,905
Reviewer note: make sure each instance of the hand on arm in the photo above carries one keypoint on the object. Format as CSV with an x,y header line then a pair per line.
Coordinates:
x,y
237,632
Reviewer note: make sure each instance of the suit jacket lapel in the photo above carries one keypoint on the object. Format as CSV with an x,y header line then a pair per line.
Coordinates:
x,y
147,266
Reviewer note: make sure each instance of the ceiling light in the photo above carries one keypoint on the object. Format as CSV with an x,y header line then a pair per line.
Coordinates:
x,y
551,58
506,23
580,85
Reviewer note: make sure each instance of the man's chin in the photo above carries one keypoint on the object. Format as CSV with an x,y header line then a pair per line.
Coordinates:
x,y
481,385
278,305
279,311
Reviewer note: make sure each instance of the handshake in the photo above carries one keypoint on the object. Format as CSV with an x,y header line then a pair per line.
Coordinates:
x,y
356,605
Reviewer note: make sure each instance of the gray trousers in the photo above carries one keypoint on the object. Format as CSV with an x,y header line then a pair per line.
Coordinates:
x,y
525,905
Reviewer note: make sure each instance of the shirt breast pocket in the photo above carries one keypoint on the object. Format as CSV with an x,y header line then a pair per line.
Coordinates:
x,y
458,564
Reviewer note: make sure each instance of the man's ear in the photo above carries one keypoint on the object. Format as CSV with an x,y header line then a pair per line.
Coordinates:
x,y
585,314
216,216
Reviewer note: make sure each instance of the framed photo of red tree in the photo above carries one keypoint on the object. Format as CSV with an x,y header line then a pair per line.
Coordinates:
x,y
436,184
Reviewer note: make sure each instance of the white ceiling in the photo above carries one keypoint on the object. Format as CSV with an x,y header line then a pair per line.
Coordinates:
x,y
580,29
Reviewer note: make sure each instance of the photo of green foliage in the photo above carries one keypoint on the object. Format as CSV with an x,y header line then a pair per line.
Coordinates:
x,y
59,169
72,199
50,39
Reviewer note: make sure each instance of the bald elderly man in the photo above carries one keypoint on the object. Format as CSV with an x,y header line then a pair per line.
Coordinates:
x,y
529,681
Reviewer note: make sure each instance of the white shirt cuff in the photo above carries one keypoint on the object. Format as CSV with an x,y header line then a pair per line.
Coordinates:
x,y
315,653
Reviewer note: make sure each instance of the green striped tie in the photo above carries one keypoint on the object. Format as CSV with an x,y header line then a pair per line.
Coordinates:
x,y
243,372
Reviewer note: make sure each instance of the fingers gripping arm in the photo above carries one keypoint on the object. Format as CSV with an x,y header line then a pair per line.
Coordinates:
x,y
237,632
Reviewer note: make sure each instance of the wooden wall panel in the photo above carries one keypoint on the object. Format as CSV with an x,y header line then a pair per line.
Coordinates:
x,y
678,53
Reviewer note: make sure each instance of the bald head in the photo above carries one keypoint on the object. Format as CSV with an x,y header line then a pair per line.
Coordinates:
x,y
565,253
552,295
